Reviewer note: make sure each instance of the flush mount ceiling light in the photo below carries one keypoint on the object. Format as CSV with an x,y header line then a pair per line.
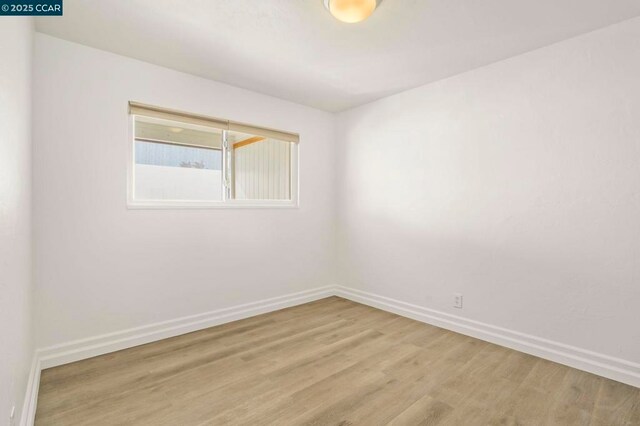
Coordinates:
x,y
351,11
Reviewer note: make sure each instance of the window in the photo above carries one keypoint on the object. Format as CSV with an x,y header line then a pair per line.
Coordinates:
x,y
187,160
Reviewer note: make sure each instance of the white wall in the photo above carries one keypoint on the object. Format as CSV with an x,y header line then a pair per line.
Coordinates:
x,y
102,268
261,170
177,183
16,350
517,184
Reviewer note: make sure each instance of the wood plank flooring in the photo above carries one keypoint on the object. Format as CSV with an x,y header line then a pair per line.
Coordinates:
x,y
330,362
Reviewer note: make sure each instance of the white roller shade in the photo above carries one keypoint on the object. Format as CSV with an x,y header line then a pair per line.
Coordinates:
x,y
264,131
136,108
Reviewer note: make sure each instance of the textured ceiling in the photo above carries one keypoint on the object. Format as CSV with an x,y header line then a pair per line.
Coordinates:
x,y
295,50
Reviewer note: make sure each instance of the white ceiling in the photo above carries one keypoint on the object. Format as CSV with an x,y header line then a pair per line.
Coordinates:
x,y
295,50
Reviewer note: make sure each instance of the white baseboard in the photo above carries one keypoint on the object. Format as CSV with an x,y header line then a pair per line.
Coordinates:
x,y
603,365
86,348
31,395
65,353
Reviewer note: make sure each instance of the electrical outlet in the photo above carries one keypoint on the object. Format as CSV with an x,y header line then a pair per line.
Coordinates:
x,y
457,300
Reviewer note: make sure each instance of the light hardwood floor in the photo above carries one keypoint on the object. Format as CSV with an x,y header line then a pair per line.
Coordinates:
x,y
330,362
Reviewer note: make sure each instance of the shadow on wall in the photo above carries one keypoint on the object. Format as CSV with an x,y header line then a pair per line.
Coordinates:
x,y
528,282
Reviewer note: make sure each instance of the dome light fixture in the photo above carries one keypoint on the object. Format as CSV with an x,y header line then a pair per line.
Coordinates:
x,y
351,11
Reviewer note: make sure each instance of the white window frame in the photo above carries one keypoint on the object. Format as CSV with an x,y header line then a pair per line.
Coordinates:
x,y
226,202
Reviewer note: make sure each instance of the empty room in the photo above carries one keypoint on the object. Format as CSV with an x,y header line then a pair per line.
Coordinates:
x,y
319,212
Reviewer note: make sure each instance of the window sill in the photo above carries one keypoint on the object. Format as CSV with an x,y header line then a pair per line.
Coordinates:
x,y
189,205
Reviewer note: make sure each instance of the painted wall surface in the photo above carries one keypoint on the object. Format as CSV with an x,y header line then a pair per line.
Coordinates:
x,y
16,351
177,183
517,185
102,268
261,171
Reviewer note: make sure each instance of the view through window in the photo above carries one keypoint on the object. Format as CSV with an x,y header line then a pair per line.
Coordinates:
x,y
178,159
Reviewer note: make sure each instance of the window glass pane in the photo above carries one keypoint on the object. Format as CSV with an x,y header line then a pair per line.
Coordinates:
x,y
261,167
176,161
